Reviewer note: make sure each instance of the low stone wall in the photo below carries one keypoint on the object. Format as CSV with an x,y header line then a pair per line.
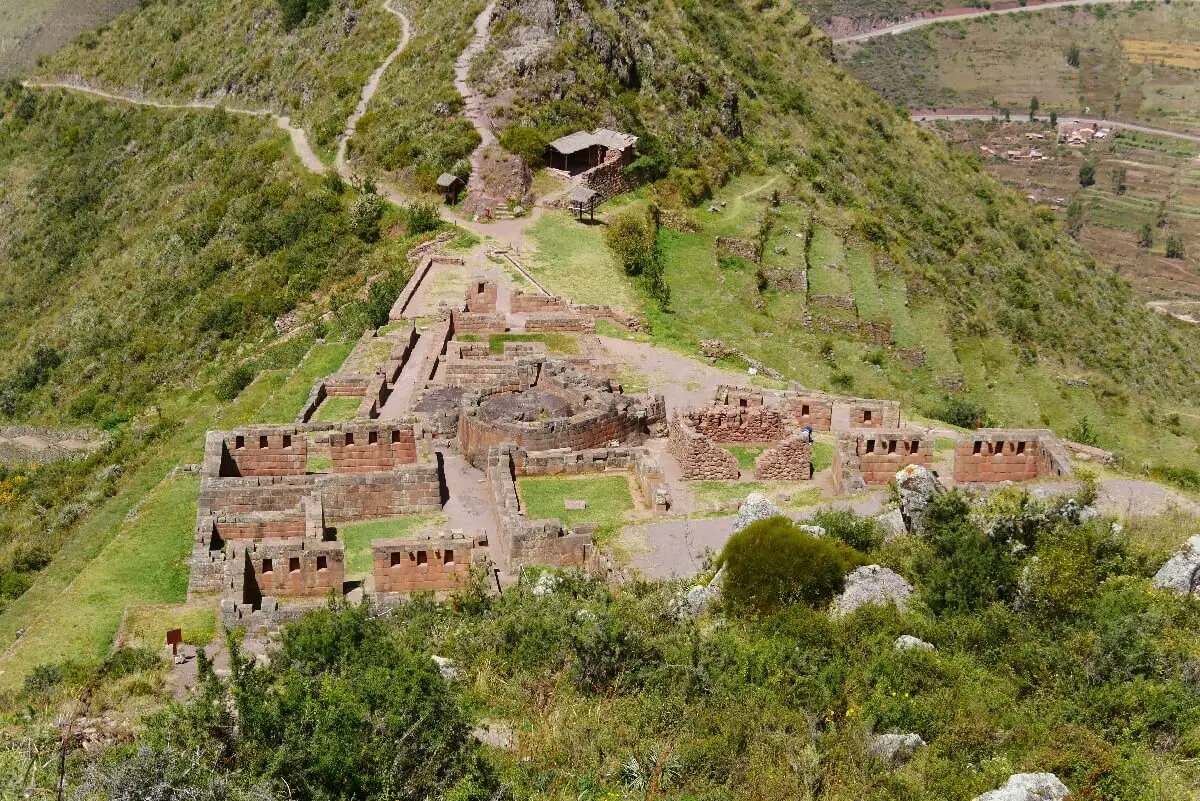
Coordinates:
x,y
560,322
698,458
481,296
434,562
369,448
23,444
747,398
1017,454
791,460
871,457
738,424
737,247
613,315
525,302
400,307
346,386
490,373
826,412
845,302
472,323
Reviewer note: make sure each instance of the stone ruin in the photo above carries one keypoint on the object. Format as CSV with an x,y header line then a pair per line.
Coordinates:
x,y
820,410
870,457
990,455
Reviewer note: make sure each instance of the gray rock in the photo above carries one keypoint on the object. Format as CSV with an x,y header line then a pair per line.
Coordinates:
x,y
907,642
894,748
916,486
891,524
872,584
756,507
546,584
695,602
816,531
1179,573
574,504
446,667
1029,787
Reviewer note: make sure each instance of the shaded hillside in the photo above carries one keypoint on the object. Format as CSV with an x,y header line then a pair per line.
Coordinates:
x,y
718,87
36,28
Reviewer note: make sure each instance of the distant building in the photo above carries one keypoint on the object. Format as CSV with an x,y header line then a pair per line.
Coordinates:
x,y
450,185
582,150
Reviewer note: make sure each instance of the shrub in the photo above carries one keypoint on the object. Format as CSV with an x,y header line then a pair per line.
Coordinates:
x,y
1174,247
1087,173
233,382
631,236
421,218
528,143
1183,477
130,661
961,412
772,563
365,213
860,533
964,569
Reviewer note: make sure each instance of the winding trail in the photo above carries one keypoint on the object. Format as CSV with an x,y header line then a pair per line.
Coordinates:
x,y
903,27
474,108
921,115
369,90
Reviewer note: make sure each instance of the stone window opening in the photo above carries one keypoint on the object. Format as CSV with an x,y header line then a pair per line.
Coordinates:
x,y
870,446
914,446
1020,448
349,438
480,289
998,448
891,446
397,559
267,567
262,441
742,403
294,564
239,443
866,415
422,558
322,562
448,559
287,440
978,448
804,410
373,438
395,437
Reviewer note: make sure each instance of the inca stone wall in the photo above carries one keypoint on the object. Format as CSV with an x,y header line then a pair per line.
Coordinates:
x,y
524,302
368,448
481,296
738,424
609,178
1019,454
831,412
292,568
560,322
482,323
871,457
436,562
790,460
256,451
744,397
697,456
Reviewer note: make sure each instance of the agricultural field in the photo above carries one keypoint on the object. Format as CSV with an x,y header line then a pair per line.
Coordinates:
x,y
1138,63
1139,179
31,29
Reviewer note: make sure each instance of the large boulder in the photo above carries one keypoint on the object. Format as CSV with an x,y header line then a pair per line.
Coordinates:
x,y
695,602
907,642
1179,573
894,748
756,507
1029,787
916,485
872,584
891,525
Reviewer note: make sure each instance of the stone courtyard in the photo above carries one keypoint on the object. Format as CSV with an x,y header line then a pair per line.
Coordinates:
x,y
482,379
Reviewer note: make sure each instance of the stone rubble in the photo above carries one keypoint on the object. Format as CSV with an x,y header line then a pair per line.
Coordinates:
x,y
916,485
891,524
895,748
907,642
446,667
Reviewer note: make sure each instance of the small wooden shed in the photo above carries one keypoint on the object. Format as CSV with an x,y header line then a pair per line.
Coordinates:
x,y
583,199
450,185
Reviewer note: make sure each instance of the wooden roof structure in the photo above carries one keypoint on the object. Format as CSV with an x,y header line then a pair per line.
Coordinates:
x,y
583,199
447,180
584,140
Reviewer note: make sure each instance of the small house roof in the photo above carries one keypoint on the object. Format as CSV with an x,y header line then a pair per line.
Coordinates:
x,y
613,140
582,195
447,180
573,143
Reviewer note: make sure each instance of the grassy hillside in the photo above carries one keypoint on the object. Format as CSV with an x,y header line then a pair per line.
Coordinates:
x,y
1138,62
36,28
184,50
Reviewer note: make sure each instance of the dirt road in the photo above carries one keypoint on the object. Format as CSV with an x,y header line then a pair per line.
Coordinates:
x,y
964,13
921,115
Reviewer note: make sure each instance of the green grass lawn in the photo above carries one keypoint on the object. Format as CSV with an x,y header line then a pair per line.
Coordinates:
x,y
822,456
555,342
608,501
802,492
338,409
146,625
573,261
863,285
145,564
746,454
359,536
287,401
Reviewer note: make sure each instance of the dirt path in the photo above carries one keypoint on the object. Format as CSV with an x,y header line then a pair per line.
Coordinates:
x,y
475,110
368,92
300,144
957,14
921,115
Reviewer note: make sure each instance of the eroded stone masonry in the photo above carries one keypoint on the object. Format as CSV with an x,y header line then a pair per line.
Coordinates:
x,y
459,402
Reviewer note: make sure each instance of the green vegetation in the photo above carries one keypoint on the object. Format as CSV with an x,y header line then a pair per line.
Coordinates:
x,y
189,49
555,343
146,624
803,494
34,29
572,261
772,564
746,454
359,536
822,456
608,498
286,402
337,409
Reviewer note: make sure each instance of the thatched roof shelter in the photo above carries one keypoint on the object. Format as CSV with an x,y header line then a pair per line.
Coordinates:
x,y
583,199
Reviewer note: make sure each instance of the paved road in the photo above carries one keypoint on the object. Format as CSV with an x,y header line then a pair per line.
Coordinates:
x,y
920,115
901,27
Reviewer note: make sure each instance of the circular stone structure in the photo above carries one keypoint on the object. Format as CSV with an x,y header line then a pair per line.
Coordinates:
x,y
531,406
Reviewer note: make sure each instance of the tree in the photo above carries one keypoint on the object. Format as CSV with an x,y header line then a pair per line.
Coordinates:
x,y
633,237
1073,55
1033,108
1074,218
1146,236
964,568
1118,181
1053,118
772,563
1087,173
1174,247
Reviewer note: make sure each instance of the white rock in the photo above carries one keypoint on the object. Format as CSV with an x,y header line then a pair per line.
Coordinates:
x,y
446,667
1179,573
873,584
756,507
891,524
907,642
816,531
895,748
546,584
1029,787
916,486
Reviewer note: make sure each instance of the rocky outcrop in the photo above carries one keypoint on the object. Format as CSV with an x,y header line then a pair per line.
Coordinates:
x,y
872,584
917,486
756,507
895,749
1180,572
1028,787
891,525
907,642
